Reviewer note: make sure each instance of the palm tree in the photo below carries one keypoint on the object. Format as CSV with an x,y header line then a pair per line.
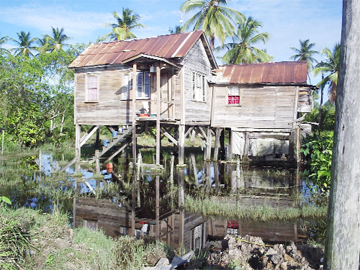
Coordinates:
x,y
176,30
2,41
305,53
44,45
213,17
56,41
241,50
121,30
25,44
330,67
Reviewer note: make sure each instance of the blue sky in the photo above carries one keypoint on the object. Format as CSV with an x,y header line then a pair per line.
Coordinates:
x,y
286,20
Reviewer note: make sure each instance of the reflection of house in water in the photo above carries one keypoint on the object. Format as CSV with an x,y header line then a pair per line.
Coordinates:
x,y
180,228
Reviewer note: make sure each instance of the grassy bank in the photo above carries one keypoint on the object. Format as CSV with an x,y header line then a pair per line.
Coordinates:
x,y
30,239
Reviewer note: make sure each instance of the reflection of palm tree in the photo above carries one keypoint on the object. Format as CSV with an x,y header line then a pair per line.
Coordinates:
x,y
25,44
213,17
305,53
330,67
241,50
56,41
3,41
121,30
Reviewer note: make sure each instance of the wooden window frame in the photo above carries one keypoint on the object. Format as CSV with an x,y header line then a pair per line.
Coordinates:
x,y
239,95
198,87
126,94
97,75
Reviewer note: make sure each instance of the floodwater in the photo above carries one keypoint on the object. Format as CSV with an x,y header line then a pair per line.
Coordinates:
x,y
144,202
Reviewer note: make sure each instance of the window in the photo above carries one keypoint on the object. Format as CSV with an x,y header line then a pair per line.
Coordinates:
x,y
92,88
143,82
199,87
234,95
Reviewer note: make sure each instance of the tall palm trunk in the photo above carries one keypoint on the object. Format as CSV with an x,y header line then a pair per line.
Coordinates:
x,y
343,231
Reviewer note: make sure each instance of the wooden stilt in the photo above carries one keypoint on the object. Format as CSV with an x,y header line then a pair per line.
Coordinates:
x,y
158,110
217,144
181,144
207,155
180,174
230,155
97,141
77,147
157,206
193,161
133,99
222,144
97,161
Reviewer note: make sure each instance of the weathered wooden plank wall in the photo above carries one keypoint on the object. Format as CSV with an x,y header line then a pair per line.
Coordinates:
x,y
196,61
265,107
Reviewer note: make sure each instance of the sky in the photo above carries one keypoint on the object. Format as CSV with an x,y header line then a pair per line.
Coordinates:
x,y
287,21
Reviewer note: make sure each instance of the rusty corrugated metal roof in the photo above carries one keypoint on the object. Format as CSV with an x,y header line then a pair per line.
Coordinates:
x,y
167,46
280,72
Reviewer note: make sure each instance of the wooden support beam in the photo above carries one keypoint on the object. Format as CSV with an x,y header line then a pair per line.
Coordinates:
x,y
181,145
203,133
88,135
133,99
126,143
217,143
97,161
171,138
207,155
158,132
188,131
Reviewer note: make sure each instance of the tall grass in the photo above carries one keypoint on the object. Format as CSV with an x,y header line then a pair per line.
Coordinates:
x,y
212,207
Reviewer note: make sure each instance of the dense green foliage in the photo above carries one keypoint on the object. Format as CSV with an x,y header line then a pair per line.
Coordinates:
x,y
317,151
36,96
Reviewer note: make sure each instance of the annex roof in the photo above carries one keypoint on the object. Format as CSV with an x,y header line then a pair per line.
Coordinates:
x,y
167,46
291,72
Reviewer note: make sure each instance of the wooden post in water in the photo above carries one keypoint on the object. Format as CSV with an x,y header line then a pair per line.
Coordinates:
x,y
77,147
133,100
180,174
207,156
343,231
194,169
133,202
97,161
158,111
157,207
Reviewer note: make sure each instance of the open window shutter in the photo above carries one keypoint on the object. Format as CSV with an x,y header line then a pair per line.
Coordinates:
x,y
139,82
147,82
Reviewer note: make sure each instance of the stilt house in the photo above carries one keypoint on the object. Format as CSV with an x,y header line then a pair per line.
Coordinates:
x,y
173,83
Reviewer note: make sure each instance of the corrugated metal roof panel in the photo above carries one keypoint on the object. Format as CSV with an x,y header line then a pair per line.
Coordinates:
x,y
113,52
281,72
194,36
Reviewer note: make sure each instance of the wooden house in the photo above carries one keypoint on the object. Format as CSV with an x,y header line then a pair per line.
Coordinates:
x,y
168,74
261,103
173,83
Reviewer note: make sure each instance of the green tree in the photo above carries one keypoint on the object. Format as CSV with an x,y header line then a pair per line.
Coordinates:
x,y
176,30
3,40
57,40
213,17
330,68
125,23
305,53
26,44
241,49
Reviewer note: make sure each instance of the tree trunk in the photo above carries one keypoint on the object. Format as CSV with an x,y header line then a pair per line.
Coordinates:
x,y
343,234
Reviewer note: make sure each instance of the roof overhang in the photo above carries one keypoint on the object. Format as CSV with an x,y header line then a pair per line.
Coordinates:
x,y
149,58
